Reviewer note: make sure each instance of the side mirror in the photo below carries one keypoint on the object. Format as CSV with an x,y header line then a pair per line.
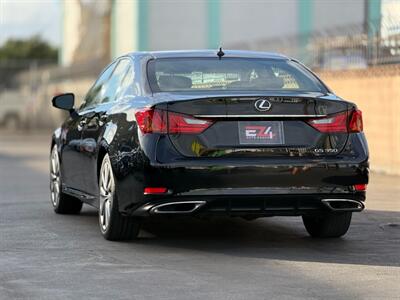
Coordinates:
x,y
64,101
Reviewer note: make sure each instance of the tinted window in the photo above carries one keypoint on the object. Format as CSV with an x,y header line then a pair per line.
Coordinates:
x,y
113,84
98,88
127,87
212,74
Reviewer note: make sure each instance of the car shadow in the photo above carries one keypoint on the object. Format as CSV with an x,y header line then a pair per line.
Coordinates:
x,y
373,238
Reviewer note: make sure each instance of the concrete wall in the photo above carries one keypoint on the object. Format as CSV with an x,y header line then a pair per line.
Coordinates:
x,y
39,113
85,31
176,25
244,21
71,12
333,14
376,92
124,27
197,24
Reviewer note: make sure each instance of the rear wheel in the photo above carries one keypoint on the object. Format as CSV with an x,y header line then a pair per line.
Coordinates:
x,y
331,225
113,225
12,122
62,203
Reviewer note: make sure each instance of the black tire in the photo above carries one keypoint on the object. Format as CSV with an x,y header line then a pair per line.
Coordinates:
x,y
331,225
12,122
117,227
68,205
62,203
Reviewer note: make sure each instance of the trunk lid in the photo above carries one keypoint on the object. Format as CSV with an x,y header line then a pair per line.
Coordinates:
x,y
259,126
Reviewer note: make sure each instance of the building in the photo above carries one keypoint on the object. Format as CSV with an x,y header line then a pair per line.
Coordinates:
x,y
109,28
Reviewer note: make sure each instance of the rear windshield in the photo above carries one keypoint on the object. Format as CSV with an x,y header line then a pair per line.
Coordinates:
x,y
244,74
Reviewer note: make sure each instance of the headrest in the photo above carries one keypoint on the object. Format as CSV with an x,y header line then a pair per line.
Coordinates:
x,y
171,82
275,83
269,83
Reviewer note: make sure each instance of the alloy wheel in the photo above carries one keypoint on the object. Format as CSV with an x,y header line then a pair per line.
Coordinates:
x,y
55,180
106,183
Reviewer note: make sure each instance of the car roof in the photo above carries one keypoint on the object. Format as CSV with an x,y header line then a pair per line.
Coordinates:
x,y
209,53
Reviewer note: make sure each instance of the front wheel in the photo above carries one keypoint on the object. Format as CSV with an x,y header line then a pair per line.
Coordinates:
x,y
62,203
331,225
113,226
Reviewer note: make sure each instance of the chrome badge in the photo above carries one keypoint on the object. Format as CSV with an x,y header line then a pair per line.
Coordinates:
x,y
262,105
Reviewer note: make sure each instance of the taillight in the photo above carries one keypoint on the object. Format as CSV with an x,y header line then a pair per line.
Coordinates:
x,y
152,120
339,123
360,187
160,121
356,122
178,123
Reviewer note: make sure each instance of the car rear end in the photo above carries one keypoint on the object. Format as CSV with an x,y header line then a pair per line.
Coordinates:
x,y
226,145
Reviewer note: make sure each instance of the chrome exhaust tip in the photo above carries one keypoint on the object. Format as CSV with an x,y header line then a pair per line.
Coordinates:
x,y
183,207
343,204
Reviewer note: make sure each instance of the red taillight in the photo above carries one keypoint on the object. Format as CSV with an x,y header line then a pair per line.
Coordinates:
x,y
339,123
178,123
155,190
160,121
356,122
360,187
152,120
335,123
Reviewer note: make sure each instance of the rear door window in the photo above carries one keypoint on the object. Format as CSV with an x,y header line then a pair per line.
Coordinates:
x,y
127,88
113,84
98,88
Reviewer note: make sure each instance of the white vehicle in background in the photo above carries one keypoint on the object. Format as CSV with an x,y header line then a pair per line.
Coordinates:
x,y
12,107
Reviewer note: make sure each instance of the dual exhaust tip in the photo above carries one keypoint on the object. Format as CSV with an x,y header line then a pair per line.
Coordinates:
x,y
343,205
182,207
187,207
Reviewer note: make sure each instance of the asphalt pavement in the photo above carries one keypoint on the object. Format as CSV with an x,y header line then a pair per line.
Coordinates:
x,y
49,256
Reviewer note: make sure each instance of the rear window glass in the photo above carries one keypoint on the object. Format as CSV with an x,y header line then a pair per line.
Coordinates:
x,y
245,74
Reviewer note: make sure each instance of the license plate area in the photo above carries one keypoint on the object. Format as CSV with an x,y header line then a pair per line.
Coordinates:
x,y
261,133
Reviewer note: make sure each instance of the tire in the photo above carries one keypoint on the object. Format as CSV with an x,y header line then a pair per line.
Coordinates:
x,y
113,225
331,225
11,122
62,203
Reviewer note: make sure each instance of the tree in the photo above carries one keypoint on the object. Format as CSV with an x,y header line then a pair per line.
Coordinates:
x,y
17,55
33,48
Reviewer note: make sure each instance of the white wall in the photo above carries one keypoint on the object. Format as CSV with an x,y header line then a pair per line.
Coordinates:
x,y
124,27
246,21
338,13
177,24
71,13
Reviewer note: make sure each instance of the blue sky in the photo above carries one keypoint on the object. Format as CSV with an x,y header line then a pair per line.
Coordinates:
x,y
24,18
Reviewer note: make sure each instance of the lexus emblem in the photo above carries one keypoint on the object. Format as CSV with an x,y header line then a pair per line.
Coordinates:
x,y
262,105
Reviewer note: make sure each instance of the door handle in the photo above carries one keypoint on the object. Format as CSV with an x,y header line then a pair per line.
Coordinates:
x,y
96,121
82,123
102,119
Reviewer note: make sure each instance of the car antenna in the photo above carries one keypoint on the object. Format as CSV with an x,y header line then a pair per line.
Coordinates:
x,y
220,53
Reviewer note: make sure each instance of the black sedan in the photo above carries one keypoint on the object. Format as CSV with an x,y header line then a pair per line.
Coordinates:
x,y
207,133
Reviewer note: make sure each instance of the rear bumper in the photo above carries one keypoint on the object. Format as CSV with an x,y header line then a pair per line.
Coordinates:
x,y
191,178
264,188
253,205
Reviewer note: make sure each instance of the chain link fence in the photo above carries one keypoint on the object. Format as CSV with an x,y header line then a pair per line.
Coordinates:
x,y
346,47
